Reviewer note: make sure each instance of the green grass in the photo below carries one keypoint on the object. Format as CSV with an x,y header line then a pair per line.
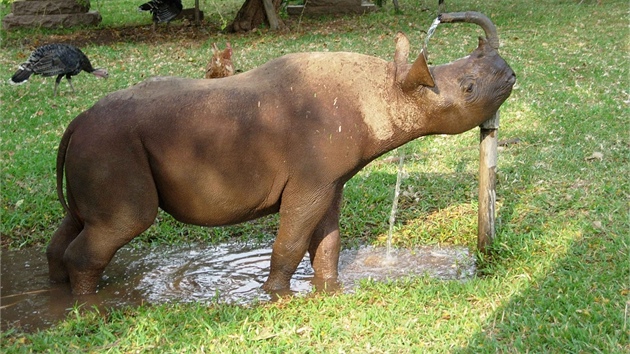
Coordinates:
x,y
558,277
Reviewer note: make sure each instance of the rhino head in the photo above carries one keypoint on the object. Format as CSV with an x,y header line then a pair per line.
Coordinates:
x,y
463,93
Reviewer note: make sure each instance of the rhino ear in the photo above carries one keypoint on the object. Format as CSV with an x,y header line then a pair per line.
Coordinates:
x,y
418,74
402,50
484,45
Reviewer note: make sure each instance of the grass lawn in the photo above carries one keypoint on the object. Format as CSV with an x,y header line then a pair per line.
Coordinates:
x,y
558,279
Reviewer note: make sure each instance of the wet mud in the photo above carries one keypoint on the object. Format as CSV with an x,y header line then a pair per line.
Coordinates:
x,y
230,273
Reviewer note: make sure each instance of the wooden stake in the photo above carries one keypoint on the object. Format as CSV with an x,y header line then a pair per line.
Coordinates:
x,y
487,183
270,11
197,17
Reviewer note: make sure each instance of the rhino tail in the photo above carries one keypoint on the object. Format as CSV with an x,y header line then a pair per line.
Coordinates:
x,y
61,160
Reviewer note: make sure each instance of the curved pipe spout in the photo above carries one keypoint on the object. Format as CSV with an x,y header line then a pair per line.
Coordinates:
x,y
476,18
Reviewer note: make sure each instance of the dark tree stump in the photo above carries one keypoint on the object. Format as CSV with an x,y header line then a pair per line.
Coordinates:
x,y
252,15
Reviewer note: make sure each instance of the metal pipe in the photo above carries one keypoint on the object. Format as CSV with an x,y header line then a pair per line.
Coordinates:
x,y
476,18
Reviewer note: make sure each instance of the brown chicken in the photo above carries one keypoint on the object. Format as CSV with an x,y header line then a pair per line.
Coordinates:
x,y
221,63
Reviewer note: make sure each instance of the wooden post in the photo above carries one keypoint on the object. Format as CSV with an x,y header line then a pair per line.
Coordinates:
x,y
487,183
270,11
197,17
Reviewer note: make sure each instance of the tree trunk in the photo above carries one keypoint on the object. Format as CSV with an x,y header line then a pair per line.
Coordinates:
x,y
252,15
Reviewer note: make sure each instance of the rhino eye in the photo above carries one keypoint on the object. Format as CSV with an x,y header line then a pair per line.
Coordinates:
x,y
467,85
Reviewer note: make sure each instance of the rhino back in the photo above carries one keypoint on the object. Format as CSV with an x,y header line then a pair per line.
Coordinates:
x,y
321,99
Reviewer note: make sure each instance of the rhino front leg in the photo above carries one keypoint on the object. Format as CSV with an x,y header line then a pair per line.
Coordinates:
x,y
325,246
300,215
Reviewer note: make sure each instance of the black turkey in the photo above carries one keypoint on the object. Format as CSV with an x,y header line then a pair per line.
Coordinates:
x,y
56,59
162,10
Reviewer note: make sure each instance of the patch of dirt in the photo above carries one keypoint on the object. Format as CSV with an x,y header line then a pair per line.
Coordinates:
x,y
128,34
180,32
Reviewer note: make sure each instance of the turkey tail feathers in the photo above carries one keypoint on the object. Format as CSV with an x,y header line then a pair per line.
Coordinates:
x,y
20,76
162,10
146,7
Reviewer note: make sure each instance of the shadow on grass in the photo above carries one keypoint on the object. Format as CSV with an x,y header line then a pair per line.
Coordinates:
x,y
579,303
577,297
574,301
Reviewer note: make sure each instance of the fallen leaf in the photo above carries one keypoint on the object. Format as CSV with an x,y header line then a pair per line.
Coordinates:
x,y
595,156
266,334
585,312
303,330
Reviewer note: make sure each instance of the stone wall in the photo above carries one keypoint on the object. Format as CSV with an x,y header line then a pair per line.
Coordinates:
x,y
50,14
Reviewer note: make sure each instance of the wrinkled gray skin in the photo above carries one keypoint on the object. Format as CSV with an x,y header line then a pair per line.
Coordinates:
x,y
281,138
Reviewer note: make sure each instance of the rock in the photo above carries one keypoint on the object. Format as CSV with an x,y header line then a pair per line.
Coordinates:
x,y
12,21
49,7
51,14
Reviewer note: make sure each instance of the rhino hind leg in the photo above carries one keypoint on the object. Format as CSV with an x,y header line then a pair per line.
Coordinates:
x,y
115,202
65,234
91,251
85,263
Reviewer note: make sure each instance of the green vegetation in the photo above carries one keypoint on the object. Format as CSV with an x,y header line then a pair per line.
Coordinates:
x,y
558,278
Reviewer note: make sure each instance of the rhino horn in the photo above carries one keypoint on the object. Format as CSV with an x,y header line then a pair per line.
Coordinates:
x,y
418,74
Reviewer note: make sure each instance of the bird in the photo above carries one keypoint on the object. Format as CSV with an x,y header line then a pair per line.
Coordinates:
x,y
221,63
56,59
162,10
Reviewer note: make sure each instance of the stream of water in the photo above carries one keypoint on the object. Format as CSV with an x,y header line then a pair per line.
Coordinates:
x,y
430,32
401,159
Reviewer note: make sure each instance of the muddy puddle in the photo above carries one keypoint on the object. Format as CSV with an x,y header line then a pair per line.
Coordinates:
x,y
227,273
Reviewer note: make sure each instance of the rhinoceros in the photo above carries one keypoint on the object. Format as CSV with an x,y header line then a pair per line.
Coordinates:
x,y
281,138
